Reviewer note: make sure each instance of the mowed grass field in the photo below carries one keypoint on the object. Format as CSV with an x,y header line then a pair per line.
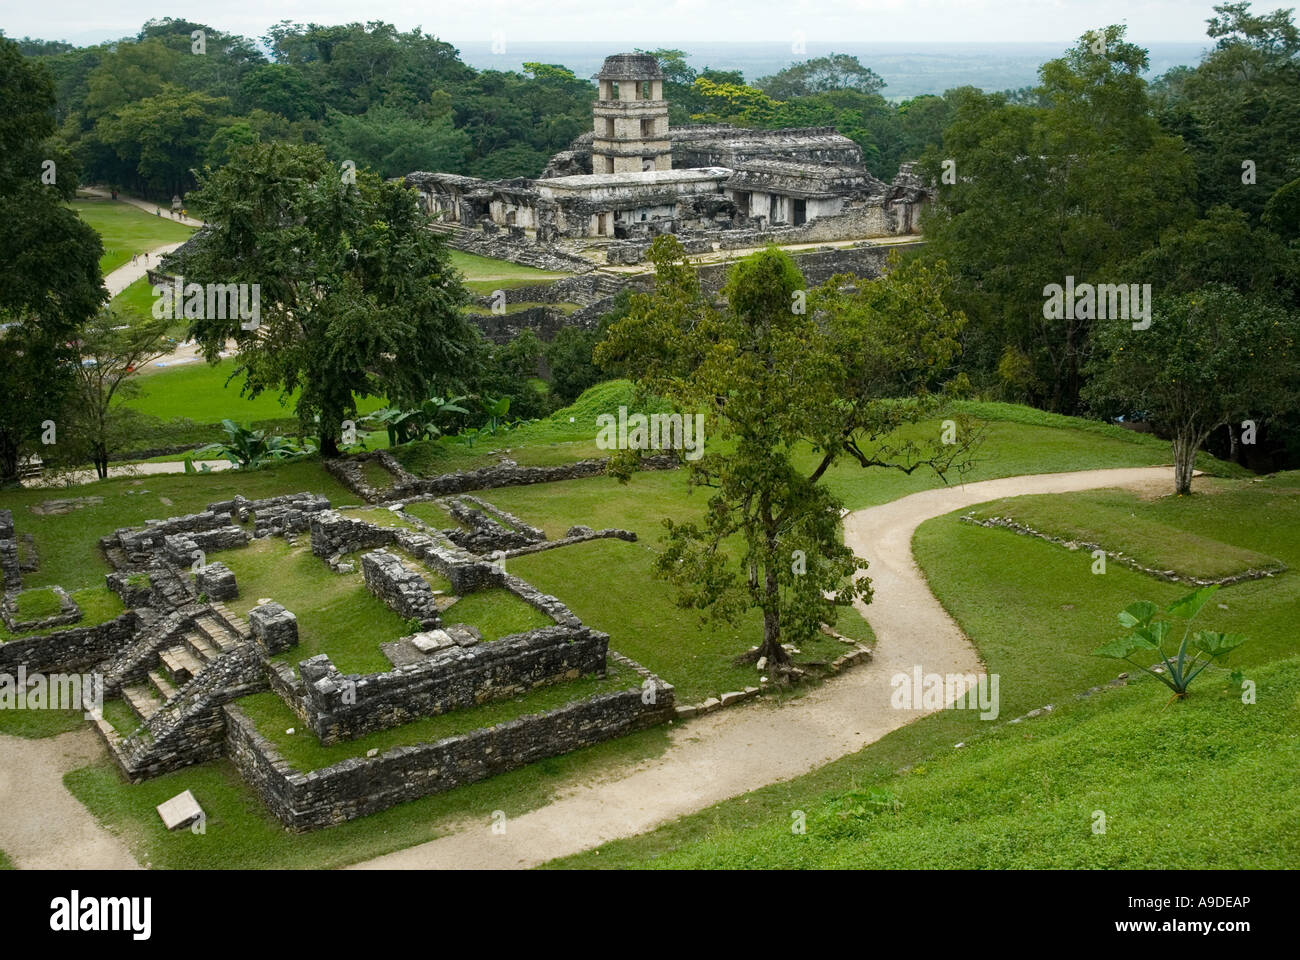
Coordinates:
x,y
125,229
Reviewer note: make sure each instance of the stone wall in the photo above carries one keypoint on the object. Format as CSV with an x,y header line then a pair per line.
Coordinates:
x,y
70,651
402,590
361,786
339,707
11,578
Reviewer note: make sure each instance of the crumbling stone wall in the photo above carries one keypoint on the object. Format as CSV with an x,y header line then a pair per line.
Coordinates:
x,y
70,651
360,786
402,590
339,707
11,578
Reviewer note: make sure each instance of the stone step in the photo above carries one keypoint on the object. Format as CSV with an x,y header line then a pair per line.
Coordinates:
x,y
217,633
142,700
106,729
161,685
202,648
181,664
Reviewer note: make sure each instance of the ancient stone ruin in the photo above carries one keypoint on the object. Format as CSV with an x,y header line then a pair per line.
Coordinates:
x,y
179,659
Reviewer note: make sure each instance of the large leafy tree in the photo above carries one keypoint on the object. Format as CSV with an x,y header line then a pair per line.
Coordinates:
x,y
49,260
1209,358
1074,185
357,296
839,71
786,394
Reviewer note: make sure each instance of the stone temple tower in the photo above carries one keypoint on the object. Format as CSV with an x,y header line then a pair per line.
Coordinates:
x,y
631,132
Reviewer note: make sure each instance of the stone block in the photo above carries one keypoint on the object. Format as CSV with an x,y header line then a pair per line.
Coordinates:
x,y
274,627
180,811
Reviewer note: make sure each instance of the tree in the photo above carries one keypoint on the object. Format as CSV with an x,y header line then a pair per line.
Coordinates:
x,y
1074,188
785,394
112,348
1209,358
357,296
393,144
839,71
49,260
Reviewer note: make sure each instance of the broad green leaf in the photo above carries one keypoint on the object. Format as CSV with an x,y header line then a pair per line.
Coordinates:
x,y
1215,644
1153,633
1138,614
1124,646
1189,606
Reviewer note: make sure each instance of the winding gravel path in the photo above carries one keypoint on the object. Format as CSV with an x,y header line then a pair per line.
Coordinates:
x,y
743,748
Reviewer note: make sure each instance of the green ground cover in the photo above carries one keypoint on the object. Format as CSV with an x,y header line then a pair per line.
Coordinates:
x,y
5,862
1036,612
515,307
497,613
485,274
1024,797
38,724
98,605
1116,520
336,614
125,229
302,749
198,391
36,604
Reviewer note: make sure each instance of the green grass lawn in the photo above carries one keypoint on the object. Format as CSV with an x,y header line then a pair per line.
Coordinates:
x,y
126,230
37,724
1117,520
516,306
199,391
1024,797
36,604
1208,784
336,614
98,605
485,274
5,862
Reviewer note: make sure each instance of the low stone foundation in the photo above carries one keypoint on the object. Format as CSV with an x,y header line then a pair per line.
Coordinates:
x,y
70,651
360,786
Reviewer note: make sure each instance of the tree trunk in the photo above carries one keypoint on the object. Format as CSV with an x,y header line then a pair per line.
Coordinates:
x,y
329,446
1184,462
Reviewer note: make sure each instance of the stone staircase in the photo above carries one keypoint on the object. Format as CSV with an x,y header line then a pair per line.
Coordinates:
x,y
175,682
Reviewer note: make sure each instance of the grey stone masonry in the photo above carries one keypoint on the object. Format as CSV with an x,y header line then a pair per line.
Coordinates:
x,y
274,627
332,534
452,677
216,580
11,578
71,650
360,786
403,590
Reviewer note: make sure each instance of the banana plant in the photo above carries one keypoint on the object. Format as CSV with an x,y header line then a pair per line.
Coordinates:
x,y
1196,650
496,411
247,448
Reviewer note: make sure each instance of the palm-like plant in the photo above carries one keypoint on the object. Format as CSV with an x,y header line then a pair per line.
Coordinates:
x,y
1148,633
247,448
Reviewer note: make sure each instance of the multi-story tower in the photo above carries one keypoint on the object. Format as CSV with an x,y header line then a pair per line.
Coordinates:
x,y
631,132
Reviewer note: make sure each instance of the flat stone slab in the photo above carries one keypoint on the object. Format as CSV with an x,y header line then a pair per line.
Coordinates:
x,y
180,811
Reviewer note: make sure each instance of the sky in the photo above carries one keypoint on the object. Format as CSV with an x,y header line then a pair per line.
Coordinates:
x,y
644,22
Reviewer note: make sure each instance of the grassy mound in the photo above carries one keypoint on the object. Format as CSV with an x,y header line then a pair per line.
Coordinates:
x,y
1202,783
1115,520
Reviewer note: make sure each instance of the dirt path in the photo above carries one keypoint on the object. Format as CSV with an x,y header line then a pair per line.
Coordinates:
x,y
128,273
42,825
740,749
56,481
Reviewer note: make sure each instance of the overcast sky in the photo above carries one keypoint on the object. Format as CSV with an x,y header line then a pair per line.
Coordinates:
x,y
643,22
